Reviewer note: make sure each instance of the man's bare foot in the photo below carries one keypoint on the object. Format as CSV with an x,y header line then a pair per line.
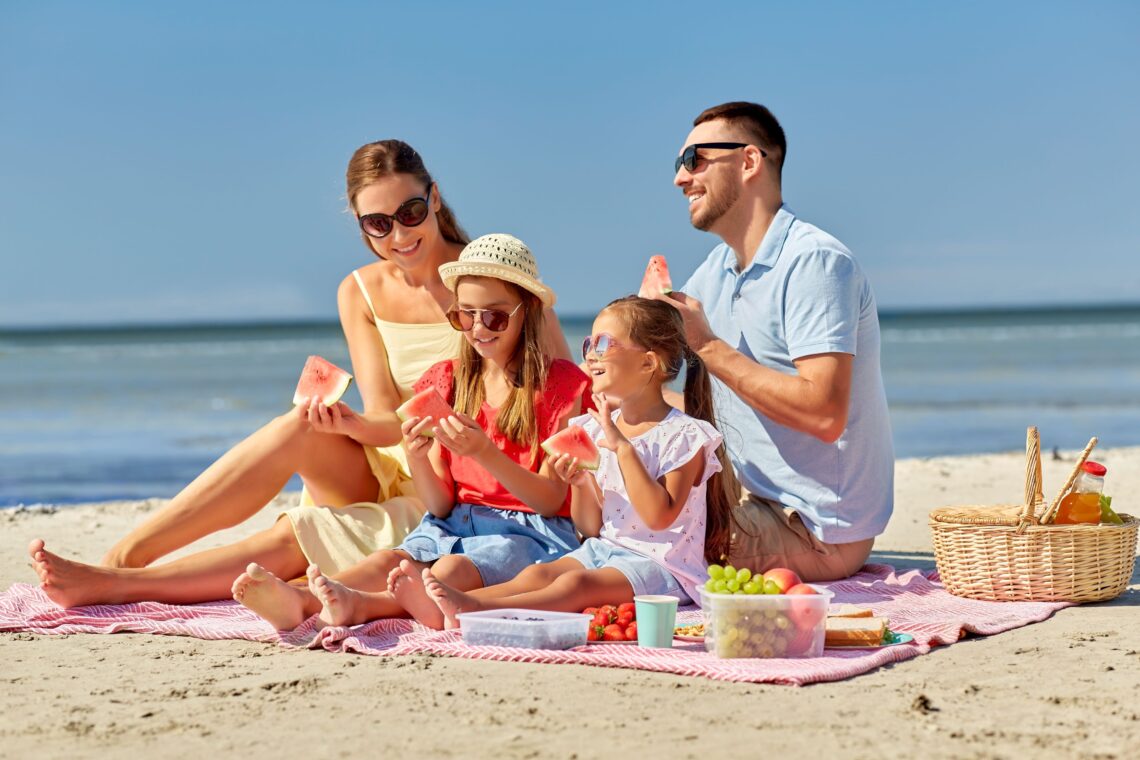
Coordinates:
x,y
285,607
339,603
74,584
406,584
450,601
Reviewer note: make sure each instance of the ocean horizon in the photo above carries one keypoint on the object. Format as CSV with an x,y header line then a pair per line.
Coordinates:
x,y
94,413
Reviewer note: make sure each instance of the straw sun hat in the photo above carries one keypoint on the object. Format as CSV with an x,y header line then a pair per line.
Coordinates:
x,y
503,257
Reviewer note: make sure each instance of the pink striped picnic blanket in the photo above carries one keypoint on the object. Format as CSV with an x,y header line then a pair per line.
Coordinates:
x,y
914,601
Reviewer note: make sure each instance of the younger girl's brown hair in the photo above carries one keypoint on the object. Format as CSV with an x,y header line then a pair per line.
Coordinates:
x,y
375,161
658,327
516,418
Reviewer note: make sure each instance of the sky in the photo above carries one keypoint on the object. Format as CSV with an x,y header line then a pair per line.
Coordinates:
x,y
184,162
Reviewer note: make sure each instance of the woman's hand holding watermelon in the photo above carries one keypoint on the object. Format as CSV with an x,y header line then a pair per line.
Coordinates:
x,y
415,442
463,436
614,438
338,418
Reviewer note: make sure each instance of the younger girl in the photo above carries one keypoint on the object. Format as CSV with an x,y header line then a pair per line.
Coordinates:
x,y
494,505
658,509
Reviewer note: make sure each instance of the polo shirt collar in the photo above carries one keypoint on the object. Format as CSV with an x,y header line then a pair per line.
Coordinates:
x,y
769,251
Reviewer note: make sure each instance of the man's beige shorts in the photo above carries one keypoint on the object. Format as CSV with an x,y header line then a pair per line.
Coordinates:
x,y
768,535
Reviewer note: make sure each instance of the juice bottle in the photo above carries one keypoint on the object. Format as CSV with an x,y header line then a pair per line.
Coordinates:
x,y
1082,504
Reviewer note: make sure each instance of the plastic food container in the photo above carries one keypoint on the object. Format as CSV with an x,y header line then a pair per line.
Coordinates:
x,y
532,629
765,625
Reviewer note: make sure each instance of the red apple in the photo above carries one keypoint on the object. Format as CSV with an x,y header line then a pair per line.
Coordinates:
x,y
783,577
805,613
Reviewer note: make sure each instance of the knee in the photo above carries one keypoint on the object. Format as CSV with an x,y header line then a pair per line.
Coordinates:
x,y
573,581
282,532
541,573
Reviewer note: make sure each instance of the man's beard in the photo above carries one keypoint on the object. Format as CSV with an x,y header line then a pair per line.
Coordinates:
x,y
715,206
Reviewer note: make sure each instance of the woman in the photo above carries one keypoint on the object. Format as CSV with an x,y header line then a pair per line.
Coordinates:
x,y
392,312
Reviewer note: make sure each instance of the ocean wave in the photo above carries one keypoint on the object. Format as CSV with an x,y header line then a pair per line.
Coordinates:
x,y
996,334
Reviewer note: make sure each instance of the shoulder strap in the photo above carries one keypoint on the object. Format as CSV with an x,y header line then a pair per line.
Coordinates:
x,y
364,292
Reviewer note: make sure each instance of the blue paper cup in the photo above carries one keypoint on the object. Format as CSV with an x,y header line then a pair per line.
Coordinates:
x,y
656,617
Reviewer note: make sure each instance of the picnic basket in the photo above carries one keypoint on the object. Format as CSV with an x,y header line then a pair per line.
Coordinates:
x,y
1016,553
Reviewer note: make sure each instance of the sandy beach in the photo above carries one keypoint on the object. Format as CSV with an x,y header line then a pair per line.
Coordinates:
x,y
1068,687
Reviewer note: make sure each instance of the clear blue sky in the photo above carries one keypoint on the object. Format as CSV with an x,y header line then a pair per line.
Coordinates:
x,y
162,162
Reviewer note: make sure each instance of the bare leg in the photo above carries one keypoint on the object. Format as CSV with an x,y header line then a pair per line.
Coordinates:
x,y
569,592
201,577
344,605
246,478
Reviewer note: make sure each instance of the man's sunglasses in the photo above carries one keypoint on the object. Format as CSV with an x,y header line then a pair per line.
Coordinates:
x,y
495,320
411,213
688,157
599,344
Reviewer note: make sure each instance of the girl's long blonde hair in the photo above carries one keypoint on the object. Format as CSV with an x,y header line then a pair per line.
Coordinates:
x,y
517,419
659,328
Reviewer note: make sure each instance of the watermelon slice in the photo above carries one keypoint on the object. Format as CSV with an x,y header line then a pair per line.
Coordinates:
x,y
426,403
577,443
323,379
656,280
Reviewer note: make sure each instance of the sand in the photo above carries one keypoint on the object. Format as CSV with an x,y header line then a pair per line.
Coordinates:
x,y
1068,687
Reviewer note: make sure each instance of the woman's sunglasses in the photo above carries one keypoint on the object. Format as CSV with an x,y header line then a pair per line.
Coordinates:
x,y
411,213
688,157
599,344
495,320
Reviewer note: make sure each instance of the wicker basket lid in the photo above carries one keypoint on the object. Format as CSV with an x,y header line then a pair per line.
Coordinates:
x,y
1002,514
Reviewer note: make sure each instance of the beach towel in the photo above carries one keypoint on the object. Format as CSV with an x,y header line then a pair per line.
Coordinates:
x,y
915,602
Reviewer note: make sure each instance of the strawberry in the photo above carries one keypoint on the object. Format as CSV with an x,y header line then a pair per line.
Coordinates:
x,y
627,608
610,612
601,619
593,633
613,633
624,619
591,611
631,631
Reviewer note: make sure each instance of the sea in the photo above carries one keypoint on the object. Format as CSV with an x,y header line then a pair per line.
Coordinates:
x,y
136,412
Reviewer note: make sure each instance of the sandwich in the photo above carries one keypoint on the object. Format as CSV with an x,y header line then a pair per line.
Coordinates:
x,y
848,611
856,632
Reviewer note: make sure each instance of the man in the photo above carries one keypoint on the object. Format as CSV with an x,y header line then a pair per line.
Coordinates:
x,y
785,321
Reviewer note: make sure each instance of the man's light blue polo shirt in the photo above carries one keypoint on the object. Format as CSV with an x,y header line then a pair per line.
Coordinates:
x,y
804,294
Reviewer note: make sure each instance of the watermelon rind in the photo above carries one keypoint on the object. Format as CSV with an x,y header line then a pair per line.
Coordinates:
x,y
551,443
315,367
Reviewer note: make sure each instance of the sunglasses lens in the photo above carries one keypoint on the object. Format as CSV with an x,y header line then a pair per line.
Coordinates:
x,y
495,320
376,225
460,320
412,212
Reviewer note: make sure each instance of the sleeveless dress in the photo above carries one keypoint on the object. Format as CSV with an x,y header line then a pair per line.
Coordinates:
x,y
336,538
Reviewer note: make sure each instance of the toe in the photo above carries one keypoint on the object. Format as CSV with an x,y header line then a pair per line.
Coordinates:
x,y
256,572
36,546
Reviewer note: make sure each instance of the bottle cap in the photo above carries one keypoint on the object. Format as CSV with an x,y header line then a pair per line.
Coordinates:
x,y
1095,468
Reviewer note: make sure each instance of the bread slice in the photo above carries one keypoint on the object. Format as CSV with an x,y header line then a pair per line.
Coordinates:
x,y
855,632
848,611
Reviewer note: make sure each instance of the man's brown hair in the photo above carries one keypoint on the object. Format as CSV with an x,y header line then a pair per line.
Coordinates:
x,y
757,122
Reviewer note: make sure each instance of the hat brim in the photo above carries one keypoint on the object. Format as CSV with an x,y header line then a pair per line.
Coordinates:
x,y
453,270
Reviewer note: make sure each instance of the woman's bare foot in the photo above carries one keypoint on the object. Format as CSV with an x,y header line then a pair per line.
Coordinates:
x,y
406,584
74,584
339,603
450,601
120,556
282,605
